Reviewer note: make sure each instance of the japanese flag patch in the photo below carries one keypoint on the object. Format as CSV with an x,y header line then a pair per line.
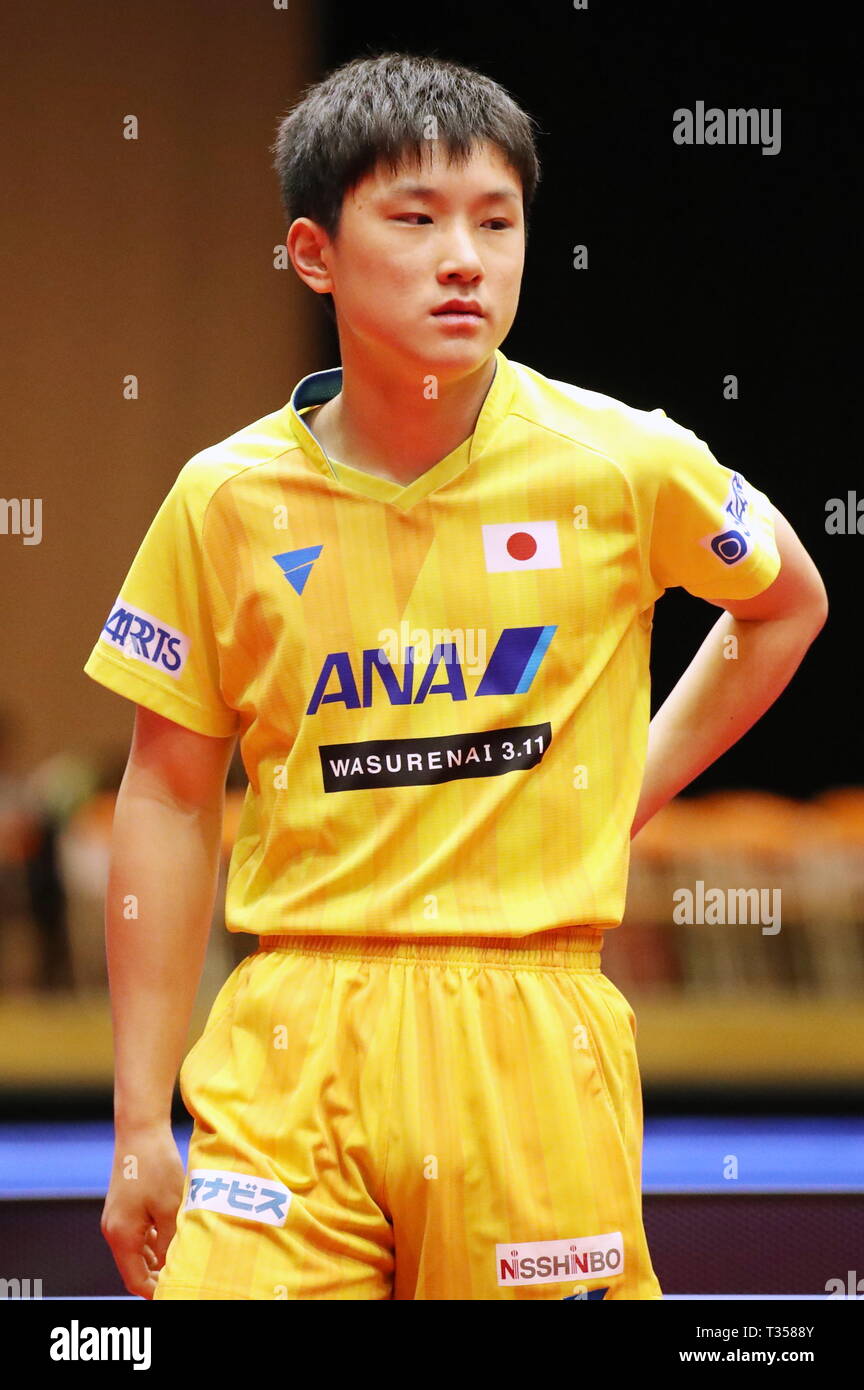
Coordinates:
x,y
521,545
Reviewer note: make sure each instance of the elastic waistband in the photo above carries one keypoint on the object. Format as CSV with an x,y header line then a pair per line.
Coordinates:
x,y
573,947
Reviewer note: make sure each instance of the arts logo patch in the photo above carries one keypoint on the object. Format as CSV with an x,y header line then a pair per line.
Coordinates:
x,y
238,1194
143,637
560,1261
521,545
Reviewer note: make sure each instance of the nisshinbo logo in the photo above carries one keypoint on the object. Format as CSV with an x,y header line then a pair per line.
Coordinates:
x,y
512,667
560,1261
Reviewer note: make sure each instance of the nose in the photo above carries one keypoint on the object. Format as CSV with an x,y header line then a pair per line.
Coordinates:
x,y
459,255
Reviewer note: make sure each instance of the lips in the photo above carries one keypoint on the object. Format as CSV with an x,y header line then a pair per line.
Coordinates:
x,y
460,306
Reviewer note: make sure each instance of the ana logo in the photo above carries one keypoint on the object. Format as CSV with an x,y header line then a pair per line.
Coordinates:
x,y
238,1194
296,565
521,545
144,638
512,667
586,1296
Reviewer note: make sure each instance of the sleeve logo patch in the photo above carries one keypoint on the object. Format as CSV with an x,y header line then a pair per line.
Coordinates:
x,y
738,501
732,545
142,637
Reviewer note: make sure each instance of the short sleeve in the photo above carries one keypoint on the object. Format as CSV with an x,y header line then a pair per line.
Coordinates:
x,y
712,532
158,645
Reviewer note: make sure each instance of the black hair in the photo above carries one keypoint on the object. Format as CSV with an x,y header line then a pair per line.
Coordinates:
x,y
379,109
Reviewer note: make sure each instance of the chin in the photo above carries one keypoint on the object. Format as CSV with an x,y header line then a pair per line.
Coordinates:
x,y
457,351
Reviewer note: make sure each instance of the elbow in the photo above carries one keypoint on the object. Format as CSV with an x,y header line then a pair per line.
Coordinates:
x,y
820,609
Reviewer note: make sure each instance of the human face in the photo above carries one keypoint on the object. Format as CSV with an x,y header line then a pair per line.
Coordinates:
x,y
410,242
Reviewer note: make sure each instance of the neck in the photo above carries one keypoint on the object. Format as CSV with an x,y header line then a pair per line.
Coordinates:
x,y
385,423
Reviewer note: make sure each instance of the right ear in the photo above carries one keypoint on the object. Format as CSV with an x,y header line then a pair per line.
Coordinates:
x,y
307,244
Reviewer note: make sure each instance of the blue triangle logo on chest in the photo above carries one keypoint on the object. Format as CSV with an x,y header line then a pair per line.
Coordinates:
x,y
296,565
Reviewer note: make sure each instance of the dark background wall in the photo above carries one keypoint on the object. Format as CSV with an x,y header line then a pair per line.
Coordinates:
x,y
155,256
703,261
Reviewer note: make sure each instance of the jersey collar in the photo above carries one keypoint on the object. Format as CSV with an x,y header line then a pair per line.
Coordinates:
x,y
319,387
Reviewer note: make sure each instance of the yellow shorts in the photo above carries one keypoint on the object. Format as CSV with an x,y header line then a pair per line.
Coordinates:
x,y
380,1118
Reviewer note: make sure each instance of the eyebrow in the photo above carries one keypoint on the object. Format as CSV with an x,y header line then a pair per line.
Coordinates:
x,y
418,190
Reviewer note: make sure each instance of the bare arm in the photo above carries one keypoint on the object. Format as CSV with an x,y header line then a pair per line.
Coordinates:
x,y
730,684
162,884
161,889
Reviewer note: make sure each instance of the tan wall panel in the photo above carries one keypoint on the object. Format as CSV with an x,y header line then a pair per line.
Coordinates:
x,y
151,256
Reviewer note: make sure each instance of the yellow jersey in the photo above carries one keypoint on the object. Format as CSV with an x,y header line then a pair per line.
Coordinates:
x,y
442,690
